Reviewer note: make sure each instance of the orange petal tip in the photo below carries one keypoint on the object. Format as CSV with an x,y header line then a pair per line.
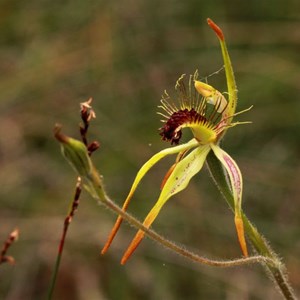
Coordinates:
x,y
134,244
112,235
241,235
215,28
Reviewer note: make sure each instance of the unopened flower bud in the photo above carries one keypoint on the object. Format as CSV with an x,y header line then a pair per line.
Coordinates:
x,y
93,146
75,152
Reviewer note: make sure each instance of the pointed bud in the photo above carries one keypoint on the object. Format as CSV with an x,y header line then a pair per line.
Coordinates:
x,y
75,152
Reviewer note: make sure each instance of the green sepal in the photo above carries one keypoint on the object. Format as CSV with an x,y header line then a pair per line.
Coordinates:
x,y
234,174
157,157
179,179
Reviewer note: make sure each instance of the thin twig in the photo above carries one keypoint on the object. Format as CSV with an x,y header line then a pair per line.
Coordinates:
x,y
67,222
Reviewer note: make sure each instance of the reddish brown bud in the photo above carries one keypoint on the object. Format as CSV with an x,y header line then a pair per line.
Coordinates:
x,y
92,147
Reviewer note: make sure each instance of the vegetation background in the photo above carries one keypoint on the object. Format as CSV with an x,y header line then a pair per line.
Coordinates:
x,y
56,54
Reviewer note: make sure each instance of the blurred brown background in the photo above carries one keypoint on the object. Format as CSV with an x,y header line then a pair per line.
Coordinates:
x,y
56,54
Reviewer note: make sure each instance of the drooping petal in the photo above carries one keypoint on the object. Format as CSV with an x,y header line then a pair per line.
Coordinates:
x,y
141,173
236,183
178,180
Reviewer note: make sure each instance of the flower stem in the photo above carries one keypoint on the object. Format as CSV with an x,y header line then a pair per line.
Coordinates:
x,y
274,266
95,188
176,248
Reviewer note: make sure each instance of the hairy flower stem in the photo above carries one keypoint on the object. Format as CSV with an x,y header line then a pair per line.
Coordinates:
x,y
98,192
92,182
274,266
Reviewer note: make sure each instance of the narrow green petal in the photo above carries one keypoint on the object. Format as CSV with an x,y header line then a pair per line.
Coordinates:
x,y
231,84
141,173
158,156
178,180
183,172
180,177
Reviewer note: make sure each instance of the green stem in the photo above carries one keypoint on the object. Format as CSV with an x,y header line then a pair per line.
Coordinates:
x,y
273,264
54,276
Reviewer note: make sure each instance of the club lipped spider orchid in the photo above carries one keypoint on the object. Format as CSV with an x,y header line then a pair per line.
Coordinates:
x,y
208,114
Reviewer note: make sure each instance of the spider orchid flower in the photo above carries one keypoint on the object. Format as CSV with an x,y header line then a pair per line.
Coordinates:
x,y
208,114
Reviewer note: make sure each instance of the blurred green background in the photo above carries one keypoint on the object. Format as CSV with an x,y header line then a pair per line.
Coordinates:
x,y
56,54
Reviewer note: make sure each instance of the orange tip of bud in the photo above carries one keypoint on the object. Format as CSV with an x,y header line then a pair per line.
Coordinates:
x,y
215,28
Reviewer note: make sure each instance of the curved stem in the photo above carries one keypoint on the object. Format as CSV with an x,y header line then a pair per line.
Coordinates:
x,y
178,249
95,188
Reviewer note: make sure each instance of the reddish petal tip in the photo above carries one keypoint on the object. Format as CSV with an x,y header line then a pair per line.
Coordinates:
x,y
215,28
